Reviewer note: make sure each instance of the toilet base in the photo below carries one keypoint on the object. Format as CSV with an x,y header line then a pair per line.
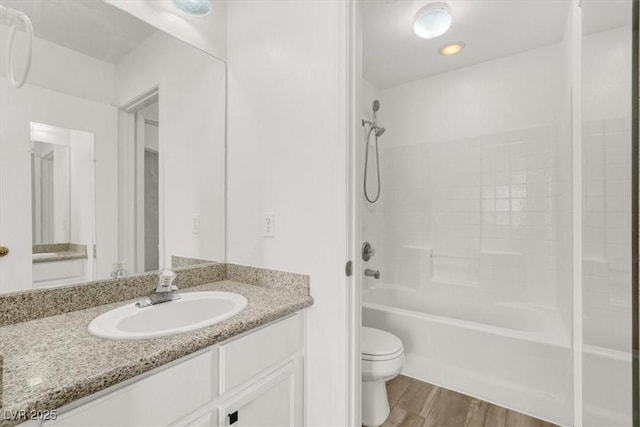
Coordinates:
x,y
375,404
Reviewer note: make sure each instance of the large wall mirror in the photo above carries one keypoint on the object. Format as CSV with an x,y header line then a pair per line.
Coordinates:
x,y
112,155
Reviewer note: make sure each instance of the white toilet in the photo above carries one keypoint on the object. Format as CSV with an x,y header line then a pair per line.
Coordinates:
x,y
382,359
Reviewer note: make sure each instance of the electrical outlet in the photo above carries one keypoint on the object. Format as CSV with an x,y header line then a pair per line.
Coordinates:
x,y
269,224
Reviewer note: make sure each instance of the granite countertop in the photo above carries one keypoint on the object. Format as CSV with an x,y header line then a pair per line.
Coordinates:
x,y
58,256
52,252
53,361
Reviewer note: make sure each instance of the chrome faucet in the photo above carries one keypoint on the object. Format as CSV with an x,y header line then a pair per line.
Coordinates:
x,y
165,291
372,273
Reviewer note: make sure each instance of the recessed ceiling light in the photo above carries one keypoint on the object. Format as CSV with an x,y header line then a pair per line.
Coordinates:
x,y
194,7
433,20
451,48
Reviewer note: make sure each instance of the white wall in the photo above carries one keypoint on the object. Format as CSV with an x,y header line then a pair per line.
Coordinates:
x,y
606,180
607,188
33,103
287,155
204,32
607,74
191,139
83,192
488,98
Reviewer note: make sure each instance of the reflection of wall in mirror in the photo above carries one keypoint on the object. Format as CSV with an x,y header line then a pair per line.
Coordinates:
x,y
205,32
75,100
191,138
83,195
76,91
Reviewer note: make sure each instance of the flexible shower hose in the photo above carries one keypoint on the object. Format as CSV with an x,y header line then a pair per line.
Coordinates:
x,y
366,167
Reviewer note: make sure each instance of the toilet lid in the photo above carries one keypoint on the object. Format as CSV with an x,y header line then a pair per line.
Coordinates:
x,y
376,342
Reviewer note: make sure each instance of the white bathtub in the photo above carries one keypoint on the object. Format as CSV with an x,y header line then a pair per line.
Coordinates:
x,y
512,355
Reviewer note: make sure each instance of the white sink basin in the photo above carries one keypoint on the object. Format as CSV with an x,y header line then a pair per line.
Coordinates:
x,y
193,311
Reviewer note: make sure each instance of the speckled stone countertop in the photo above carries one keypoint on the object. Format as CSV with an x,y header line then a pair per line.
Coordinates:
x,y
58,256
52,361
58,252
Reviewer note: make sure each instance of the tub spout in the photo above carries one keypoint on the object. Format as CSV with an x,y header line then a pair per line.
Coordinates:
x,y
372,273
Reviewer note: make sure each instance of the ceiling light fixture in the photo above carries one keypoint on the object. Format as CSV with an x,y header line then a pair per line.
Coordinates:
x,y
451,48
433,20
194,7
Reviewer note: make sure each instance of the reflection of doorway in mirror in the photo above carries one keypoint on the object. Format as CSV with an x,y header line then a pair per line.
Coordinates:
x,y
50,193
62,203
151,182
140,239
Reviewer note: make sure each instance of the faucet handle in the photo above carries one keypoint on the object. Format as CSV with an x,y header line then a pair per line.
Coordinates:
x,y
165,281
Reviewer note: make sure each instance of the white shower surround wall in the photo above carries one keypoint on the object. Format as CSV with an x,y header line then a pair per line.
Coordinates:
x,y
475,219
472,230
473,167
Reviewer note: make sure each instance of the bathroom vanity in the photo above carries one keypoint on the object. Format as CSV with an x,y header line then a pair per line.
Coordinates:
x,y
254,379
124,160
246,370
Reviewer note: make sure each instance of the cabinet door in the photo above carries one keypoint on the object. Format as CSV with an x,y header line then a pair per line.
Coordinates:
x,y
274,402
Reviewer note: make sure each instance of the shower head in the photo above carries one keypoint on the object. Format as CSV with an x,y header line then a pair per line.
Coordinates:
x,y
376,105
379,131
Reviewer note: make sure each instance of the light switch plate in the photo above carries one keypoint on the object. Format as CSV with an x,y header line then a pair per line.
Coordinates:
x,y
195,224
268,224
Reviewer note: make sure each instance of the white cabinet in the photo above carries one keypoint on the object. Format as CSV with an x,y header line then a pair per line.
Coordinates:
x,y
250,355
209,419
253,380
275,402
156,400
54,273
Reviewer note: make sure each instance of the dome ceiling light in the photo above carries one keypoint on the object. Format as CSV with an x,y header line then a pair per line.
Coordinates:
x,y
433,20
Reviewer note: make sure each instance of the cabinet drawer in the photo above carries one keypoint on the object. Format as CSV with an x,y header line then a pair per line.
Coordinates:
x,y
246,357
157,400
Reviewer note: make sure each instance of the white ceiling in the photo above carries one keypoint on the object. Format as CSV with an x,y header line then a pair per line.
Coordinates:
x,y
602,15
91,27
393,54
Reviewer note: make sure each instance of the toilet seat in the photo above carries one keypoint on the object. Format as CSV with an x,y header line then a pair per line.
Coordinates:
x,y
379,345
383,357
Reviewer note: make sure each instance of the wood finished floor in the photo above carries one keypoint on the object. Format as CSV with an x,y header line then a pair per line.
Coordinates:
x,y
417,404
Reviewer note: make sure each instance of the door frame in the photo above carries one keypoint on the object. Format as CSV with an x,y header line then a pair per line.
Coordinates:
x,y
354,212
131,182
